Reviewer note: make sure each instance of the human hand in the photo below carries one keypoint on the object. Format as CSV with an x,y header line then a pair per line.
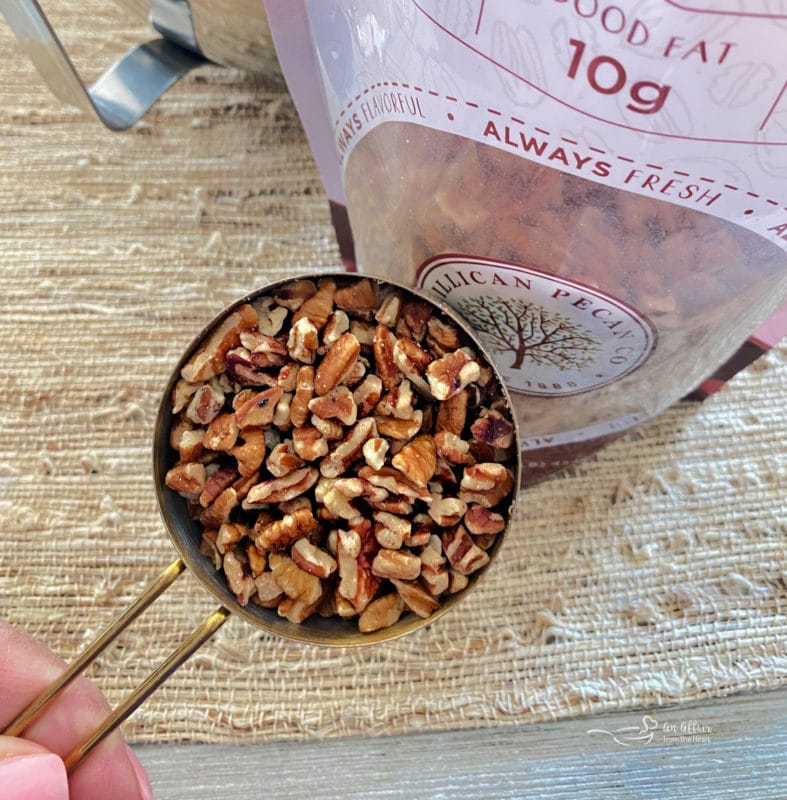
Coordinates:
x,y
31,767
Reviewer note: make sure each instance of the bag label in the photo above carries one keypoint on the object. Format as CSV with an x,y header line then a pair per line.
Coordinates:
x,y
549,336
680,102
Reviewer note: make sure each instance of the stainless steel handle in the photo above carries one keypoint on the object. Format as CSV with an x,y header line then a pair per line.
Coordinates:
x,y
127,89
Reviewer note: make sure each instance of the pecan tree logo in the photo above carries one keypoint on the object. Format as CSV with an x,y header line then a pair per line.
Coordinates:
x,y
530,331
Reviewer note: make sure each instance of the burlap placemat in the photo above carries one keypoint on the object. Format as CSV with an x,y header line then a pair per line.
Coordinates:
x,y
652,574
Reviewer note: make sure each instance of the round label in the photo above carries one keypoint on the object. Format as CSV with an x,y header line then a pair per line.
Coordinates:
x,y
549,336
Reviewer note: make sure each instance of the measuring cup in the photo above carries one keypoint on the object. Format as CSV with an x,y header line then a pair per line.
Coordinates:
x,y
185,534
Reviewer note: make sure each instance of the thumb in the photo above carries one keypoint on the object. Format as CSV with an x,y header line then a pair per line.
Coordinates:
x,y
30,772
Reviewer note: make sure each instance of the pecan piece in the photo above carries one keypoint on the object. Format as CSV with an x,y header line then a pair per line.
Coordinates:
x,y
452,449
317,308
447,511
270,351
381,613
309,443
295,293
186,479
338,323
367,394
413,319
217,481
357,584
480,520
399,429
388,313
450,374
222,433
182,394
313,559
452,414
395,482
416,598
442,338
493,429
303,341
279,534
304,391
434,572
486,484
281,489
269,593
417,460
230,533
383,349
374,451
209,360
463,553
338,404
391,530
396,564
239,581
258,409
282,460
295,582
205,404
337,462
359,296
242,372
270,316
413,362
337,363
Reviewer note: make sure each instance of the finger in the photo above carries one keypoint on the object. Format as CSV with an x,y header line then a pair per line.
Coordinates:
x,y
30,772
26,668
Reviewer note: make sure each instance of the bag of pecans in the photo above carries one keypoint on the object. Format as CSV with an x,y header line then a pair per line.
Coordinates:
x,y
597,190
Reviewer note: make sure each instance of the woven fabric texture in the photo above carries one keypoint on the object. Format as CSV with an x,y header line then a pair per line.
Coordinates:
x,y
651,574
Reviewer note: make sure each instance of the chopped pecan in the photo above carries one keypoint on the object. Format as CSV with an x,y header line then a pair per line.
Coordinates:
x,y
309,443
396,564
336,364
416,598
336,462
219,511
412,361
296,611
269,592
303,341
447,511
279,534
391,530
434,572
399,429
361,295
388,314
287,377
295,582
281,489
222,433
417,460
452,448
186,479
364,332
209,360
319,307
282,460
337,404
395,482
217,481
329,428
205,404
450,374
243,372
258,410
304,391
295,293
441,337
457,582
239,581
399,402
208,546
230,533
257,561
486,484
271,316
368,394
383,348
357,584
413,319
452,414
381,613
374,451
281,416
182,394
312,559
271,351
463,553
480,520
338,323
494,429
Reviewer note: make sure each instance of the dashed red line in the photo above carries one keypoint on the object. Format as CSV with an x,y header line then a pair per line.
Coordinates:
x,y
542,131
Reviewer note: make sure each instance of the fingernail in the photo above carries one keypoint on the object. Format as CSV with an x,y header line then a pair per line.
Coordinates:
x,y
145,792
33,777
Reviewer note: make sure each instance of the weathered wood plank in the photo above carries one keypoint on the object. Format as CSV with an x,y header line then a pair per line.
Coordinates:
x,y
733,748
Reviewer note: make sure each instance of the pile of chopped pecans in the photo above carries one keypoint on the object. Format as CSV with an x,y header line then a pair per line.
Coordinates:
x,y
346,451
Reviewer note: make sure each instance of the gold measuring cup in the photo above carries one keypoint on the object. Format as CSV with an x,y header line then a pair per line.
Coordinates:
x,y
185,534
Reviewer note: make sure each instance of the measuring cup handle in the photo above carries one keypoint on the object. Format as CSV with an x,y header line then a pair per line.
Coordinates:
x,y
127,89
195,640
